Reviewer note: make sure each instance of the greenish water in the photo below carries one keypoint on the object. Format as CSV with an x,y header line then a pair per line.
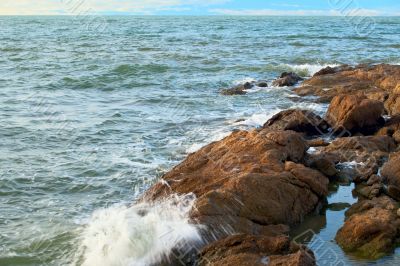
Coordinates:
x,y
91,119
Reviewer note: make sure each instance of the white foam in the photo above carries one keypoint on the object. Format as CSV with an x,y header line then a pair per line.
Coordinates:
x,y
257,120
138,235
244,80
309,69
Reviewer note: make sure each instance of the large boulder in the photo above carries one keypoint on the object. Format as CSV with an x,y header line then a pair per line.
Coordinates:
x,y
287,79
370,80
239,182
303,121
371,228
355,114
255,250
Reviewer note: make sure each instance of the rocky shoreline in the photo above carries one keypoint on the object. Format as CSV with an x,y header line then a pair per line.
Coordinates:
x,y
253,186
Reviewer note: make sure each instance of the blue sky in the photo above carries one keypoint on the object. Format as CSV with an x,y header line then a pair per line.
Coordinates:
x,y
201,7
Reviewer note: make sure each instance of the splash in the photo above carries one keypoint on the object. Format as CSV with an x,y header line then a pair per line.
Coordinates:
x,y
139,235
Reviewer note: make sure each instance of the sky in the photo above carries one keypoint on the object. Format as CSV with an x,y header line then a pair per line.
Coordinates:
x,y
202,7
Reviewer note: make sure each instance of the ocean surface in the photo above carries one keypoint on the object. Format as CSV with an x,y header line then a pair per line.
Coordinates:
x,y
94,112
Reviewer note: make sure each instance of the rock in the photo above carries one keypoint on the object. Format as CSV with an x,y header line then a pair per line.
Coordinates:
x,y
391,128
359,157
371,228
373,81
287,79
255,250
262,84
239,182
370,192
391,170
238,90
398,212
338,206
392,104
374,179
323,164
332,70
393,192
355,114
319,142
303,121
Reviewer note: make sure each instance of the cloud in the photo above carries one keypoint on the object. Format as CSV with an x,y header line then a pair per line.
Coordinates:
x,y
304,12
56,7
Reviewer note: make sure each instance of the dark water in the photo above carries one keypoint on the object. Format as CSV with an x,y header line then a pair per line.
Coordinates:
x,y
90,118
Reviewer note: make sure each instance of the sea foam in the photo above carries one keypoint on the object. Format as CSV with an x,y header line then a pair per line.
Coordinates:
x,y
142,234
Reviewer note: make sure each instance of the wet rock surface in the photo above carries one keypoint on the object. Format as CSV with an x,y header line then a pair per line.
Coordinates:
x,y
255,250
303,121
371,229
355,114
252,187
287,79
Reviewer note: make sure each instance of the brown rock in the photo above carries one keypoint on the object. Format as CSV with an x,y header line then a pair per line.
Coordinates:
x,y
393,192
317,142
391,128
255,250
374,179
391,170
371,229
303,121
366,154
355,114
392,104
239,182
238,90
368,80
287,79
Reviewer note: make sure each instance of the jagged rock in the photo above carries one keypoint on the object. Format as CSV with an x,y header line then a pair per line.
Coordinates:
x,y
303,121
363,155
355,114
287,79
373,81
391,128
255,250
392,104
371,228
239,182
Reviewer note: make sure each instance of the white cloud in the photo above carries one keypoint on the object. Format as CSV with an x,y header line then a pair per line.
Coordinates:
x,y
305,12
54,7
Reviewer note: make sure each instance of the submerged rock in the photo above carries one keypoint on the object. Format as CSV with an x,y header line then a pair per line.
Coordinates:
x,y
287,79
303,121
371,228
238,89
241,89
355,114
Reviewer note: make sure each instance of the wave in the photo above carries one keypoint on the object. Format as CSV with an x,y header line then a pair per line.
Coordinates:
x,y
143,234
309,69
